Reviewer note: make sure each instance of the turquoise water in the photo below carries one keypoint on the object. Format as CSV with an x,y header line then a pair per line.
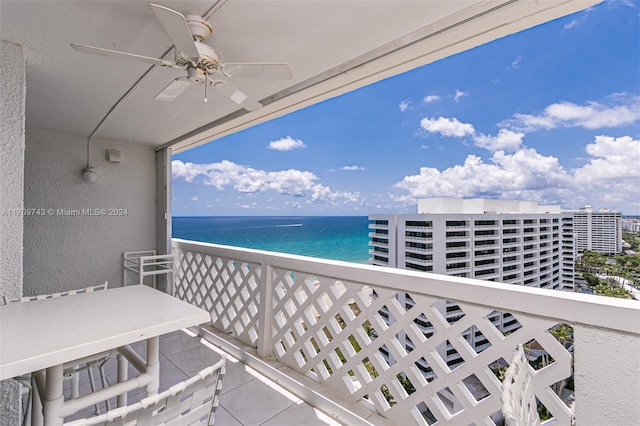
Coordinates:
x,y
329,237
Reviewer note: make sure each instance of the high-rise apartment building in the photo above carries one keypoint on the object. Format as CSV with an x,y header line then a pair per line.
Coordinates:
x,y
495,240
511,242
599,231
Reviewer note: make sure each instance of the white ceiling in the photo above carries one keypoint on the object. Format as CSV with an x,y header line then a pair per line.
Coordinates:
x,y
332,47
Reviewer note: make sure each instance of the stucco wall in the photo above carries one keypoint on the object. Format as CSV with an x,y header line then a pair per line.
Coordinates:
x,y
63,251
607,377
12,101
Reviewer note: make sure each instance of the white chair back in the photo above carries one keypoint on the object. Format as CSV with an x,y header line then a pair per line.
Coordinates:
x,y
192,402
89,289
519,405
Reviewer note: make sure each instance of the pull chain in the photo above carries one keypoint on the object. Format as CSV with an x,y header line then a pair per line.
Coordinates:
x,y
206,83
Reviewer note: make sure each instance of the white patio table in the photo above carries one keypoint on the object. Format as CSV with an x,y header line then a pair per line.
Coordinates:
x,y
43,336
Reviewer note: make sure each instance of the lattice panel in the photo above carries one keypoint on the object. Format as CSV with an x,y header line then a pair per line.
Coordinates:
x,y
392,349
227,288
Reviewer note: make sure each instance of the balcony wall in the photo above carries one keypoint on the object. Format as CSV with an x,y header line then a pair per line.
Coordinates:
x,y
323,320
12,117
79,250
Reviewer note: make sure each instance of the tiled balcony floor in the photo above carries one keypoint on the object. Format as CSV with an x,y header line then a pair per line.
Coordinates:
x,y
247,398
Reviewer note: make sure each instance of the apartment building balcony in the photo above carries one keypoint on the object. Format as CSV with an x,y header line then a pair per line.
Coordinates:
x,y
459,226
495,226
379,234
415,239
319,323
511,242
459,257
378,225
455,268
488,256
379,251
418,248
509,260
379,243
313,326
418,227
485,244
307,341
184,353
455,236
487,274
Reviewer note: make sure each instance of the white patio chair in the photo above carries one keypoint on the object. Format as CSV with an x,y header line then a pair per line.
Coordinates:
x,y
146,263
192,402
71,373
519,405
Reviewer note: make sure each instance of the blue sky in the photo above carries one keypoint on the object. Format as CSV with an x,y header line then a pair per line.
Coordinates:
x,y
551,114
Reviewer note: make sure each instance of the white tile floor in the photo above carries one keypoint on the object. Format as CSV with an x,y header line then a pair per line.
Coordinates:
x,y
247,397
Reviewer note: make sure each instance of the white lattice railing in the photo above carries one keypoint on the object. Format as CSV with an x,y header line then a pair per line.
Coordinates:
x,y
381,337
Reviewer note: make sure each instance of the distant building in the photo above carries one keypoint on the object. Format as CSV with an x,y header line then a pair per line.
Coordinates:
x,y
599,231
512,242
631,225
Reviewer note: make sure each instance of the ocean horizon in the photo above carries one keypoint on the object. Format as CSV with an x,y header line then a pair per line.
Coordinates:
x,y
328,237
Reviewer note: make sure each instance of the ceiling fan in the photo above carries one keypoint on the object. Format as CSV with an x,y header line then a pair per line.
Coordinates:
x,y
199,60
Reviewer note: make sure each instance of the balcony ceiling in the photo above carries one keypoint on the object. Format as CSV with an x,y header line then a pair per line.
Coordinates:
x,y
332,46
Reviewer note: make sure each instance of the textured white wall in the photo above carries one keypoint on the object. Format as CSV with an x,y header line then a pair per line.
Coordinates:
x,y
66,252
12,101
607,377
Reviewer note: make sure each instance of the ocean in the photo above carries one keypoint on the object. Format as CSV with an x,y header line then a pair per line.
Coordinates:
x,y
329,237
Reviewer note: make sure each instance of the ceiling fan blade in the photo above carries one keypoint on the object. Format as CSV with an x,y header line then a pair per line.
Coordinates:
x,y
236,95
174,89
176,27
273,70
122,55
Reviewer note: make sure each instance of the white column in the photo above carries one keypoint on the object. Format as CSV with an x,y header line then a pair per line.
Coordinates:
x,y
163,212
12,117
265,312
607,376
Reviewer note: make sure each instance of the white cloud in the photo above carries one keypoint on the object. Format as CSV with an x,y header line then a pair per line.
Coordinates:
x,y
322,193
610,177
286,144
447,127
515,64
613,159
459,94
187,171
451,127
506,174
431,98
245,179
350,168
404,105
621,110
504,140
249,181
571,24
194,198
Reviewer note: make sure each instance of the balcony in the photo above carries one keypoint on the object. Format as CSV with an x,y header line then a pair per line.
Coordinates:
x,y
314,326
183,353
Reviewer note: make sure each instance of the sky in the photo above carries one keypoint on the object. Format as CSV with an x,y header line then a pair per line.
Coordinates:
x,y
551,114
